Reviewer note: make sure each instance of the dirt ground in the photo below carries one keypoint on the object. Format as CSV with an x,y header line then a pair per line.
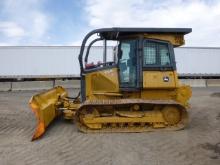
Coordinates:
x,y
199,143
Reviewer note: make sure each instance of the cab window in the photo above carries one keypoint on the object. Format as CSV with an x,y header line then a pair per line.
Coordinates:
x,y
156,54
128,64
150,51
164,54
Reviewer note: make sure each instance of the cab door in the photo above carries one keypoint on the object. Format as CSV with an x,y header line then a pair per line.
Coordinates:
x,y
128,62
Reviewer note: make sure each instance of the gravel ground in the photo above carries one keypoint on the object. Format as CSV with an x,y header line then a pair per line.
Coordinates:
x,y
199,143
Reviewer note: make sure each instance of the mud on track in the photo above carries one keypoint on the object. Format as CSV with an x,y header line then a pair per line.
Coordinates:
x,y
199,143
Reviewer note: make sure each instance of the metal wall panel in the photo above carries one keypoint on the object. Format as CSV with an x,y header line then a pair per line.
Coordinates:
x,y
194,60
63,60
44,60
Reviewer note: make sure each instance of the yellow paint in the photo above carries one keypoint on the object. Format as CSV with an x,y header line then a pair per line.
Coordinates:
x,y
183,94
150,116
156,79
158,94
44,107
107,93
174,39
102,82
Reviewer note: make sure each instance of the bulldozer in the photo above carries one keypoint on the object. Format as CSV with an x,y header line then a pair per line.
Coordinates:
x,y
138,91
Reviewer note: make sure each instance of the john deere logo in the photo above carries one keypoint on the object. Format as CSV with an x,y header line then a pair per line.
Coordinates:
x,y
166,79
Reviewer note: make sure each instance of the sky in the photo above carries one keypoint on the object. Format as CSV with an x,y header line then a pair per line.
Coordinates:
x,y
66,22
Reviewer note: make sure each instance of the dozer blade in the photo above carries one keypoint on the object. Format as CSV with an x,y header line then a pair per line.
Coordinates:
x,y
44,105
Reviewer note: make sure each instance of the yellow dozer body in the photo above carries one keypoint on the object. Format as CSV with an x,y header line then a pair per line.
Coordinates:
x,y
138,91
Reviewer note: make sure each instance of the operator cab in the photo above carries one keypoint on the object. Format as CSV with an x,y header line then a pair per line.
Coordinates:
x,y
140,55
136,54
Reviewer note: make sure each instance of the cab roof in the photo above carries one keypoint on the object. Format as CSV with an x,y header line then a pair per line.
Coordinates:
x,y
115,32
